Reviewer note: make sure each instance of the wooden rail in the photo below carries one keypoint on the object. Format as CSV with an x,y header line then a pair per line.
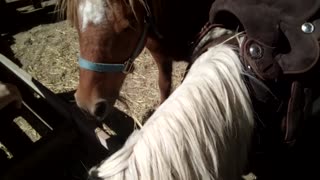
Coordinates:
x,y
96,144
69,112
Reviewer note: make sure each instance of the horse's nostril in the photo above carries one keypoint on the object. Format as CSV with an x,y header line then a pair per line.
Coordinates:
x,y
101,110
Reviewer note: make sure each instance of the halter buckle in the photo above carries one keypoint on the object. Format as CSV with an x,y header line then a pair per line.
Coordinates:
x,y
128,67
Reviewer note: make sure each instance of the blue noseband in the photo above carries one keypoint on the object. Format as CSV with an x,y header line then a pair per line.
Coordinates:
x,y
100,67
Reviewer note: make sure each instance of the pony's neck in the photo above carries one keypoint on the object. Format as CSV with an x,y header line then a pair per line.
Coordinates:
x,y
202,131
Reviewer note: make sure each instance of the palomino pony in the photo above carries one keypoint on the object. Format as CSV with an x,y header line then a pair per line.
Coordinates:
x,y
201,132
112,34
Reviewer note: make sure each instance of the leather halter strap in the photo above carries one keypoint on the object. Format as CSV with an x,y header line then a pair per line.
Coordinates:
x,y
127,66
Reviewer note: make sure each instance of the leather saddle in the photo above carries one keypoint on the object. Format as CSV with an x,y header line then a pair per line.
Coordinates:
x,y
281,48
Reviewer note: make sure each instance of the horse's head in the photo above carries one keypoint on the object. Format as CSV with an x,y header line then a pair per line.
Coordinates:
x,y
111,34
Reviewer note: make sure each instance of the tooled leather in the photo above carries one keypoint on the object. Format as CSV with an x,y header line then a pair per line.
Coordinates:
x,y
265,21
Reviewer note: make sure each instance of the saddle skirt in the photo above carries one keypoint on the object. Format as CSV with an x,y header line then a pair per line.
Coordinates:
x,y
282,35
281,48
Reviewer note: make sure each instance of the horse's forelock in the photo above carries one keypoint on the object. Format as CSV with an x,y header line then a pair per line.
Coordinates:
x,y
69,9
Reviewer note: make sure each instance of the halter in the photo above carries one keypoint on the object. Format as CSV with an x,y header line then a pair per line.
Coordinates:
x,y
127,66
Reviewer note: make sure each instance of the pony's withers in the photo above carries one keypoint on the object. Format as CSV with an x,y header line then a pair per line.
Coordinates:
x,y
201,132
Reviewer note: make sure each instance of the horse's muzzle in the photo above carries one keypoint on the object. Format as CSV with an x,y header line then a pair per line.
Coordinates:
x,y
97,109
101,109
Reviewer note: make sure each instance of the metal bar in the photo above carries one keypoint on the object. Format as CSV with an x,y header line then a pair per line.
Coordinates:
x,y
35,114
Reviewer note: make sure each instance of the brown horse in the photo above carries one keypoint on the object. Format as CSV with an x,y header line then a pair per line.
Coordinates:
x,y
112,33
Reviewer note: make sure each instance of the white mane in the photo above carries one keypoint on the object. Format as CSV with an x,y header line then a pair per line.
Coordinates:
x,y
201,132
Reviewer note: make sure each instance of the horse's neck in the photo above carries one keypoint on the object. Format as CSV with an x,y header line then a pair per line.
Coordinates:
x,y
180,19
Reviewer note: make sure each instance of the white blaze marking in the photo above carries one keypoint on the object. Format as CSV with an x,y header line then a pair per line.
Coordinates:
x,y
91,11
